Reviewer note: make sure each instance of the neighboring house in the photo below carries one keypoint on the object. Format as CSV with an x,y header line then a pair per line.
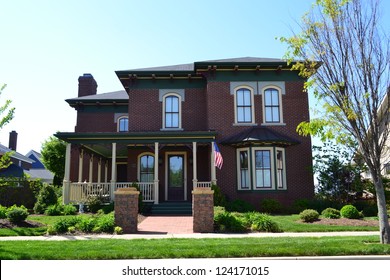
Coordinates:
x,y
161,129
38,169
19,164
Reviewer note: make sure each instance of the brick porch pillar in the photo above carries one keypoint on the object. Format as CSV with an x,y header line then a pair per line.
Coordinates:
x,y
203,210
126,209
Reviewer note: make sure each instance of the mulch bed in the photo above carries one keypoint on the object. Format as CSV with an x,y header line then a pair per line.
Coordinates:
x,y
5,223
346,222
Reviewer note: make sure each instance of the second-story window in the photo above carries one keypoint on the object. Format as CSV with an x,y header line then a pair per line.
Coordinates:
x,y
172,111
123,124
272,105
244,106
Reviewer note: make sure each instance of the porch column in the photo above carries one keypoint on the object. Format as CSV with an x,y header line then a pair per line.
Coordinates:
x,y
81,163
156,181
194,166
66,182
106,171
213,169
90,169
113,171
99,179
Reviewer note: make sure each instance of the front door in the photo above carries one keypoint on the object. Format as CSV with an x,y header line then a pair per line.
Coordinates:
x,y
176,177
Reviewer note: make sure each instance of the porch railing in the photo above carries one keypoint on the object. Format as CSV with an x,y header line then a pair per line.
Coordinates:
x,y
80,192
203,184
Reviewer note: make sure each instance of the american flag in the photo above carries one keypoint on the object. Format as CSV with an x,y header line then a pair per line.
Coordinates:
x,y
218,160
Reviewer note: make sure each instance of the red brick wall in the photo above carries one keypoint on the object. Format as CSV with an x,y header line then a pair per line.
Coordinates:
x,y
95,122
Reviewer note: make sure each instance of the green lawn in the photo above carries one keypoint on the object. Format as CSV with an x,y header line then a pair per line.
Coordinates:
x,y
191,248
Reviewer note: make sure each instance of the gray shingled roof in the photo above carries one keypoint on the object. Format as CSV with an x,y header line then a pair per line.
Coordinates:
x,y
115,95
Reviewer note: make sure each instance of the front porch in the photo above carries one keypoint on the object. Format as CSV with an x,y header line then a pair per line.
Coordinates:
x,y
165,166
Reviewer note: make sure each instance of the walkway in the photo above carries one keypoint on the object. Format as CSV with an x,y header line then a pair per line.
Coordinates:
x,y
166,225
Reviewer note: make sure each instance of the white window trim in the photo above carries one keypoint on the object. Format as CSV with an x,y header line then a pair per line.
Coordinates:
x,y
252,123
239,168
272,155
139,163
280,105
284,168
163,111
118,123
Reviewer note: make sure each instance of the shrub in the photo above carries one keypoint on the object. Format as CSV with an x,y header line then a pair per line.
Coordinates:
x,y
350,212
369,208
118,230
106,223
261,222
227,222
54,210
271,206
62,225
309,215
300,205
331,213
3,212
16,214
218,210
241,206
86,224
47,196
108,208
94,203
69,209
219,197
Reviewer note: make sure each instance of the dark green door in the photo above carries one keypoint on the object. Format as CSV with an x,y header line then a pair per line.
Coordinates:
x,y
176,177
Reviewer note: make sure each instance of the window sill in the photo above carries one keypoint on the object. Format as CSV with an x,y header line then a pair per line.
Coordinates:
x,y
171,129
245,124
273,124
262,190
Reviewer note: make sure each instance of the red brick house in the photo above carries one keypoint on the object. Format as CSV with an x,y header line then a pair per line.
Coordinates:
x,y
160,132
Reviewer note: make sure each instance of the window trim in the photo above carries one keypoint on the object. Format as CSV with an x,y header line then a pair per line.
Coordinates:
x,y
169,94
272,168
139,165
118,122
252,109
284,176
264,89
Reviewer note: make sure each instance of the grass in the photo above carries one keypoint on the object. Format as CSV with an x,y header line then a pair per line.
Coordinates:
x,y
106,249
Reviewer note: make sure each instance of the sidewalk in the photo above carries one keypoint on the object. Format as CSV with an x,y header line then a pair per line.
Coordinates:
x,y
144,235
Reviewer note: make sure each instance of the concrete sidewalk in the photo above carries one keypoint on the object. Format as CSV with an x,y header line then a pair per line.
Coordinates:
x,y
184,235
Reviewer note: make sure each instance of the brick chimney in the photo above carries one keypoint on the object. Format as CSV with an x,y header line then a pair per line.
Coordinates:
x,y
87,85
13,140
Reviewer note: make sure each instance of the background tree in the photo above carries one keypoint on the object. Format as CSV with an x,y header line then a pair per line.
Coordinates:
x,y
53,157
347,55
6,115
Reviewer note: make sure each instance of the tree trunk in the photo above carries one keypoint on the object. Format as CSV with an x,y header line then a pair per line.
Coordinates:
x,y
384,228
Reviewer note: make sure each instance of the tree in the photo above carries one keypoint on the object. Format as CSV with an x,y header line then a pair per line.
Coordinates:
x,y
5,159
53,157
346,54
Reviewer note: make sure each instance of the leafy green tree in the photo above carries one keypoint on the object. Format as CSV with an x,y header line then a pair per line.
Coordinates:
x,y
6,115
345,53
339,178
53,156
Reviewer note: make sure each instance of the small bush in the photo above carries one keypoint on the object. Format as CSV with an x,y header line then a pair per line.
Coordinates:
x,y
350,212
331,213
261,222
86,224
54,210
219,197
227,222
3,212
241,206
47,196
94,203
17,214
218,210
69,209
270,206
106,223
108,208
300,205
62,225
118,230
309,215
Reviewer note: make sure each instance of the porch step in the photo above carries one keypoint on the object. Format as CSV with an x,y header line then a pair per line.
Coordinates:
x,y
172,208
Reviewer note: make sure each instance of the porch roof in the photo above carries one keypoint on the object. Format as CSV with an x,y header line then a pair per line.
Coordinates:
x,y
259,136
100,142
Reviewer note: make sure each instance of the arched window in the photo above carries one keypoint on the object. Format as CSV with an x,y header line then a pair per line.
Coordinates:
x,y
123,124
272,102
172,118
244,105
146,168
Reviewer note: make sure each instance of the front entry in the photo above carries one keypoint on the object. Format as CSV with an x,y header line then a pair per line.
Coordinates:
x,y
175,177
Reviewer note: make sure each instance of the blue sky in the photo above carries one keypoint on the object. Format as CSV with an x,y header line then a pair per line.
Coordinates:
x,y
46,45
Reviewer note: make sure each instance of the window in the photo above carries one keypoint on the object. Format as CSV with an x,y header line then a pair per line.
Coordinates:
x,y
146,168
123,124
272,105
244,109
172,116
243,170
263,169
